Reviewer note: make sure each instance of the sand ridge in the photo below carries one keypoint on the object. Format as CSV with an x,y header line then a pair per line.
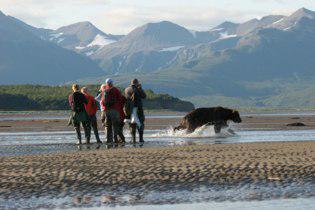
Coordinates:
x,y
157,168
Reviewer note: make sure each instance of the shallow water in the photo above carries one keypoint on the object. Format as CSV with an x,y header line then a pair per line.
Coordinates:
x,y
267,196
24,143
280,204
243,196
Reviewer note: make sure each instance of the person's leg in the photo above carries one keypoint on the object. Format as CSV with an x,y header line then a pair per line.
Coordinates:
x,y
109,127
87,131
95,128
141,131
78,132
116,125
121,132
141,128
103,119
133,130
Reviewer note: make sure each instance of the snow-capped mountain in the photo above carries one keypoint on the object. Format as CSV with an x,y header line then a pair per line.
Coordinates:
x,y
25,58
82,37
288,23
162,53
154,46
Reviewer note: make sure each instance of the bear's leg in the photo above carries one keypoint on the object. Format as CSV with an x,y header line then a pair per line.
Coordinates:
x,y
217,128
180,127
191,129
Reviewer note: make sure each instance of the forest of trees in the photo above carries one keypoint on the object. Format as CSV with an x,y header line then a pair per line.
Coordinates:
x,y
38,97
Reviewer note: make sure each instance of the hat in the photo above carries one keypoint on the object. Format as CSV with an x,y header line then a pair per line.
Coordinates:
x,y
109,81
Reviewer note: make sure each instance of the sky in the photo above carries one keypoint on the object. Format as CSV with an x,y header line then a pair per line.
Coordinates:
x,y
122,16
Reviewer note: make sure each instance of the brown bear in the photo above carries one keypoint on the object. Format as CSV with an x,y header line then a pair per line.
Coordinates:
x,y
217,116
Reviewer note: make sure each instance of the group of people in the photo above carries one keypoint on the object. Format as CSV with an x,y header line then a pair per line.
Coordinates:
x,y
116,110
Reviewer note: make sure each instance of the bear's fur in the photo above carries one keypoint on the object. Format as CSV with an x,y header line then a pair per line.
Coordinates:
x,y
217,116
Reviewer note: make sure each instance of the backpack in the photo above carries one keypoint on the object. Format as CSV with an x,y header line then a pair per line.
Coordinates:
x,y
134,96
108,102
94,104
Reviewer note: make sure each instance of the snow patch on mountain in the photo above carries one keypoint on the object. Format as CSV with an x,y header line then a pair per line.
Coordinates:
x,y
79,48
60,40
225,35
100,40
278,21
288,28
216,29
56,37
89,53
193,33
171,49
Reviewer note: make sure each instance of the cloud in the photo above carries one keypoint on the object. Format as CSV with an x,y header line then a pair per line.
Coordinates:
x,y
128,18
122,16
52,14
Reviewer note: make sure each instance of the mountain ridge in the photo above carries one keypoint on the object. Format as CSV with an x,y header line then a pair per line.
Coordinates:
x,y
25,58
231,61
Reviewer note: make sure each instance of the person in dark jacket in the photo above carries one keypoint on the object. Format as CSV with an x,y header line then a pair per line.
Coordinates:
x,y
77,101
111,103
135,94
91,108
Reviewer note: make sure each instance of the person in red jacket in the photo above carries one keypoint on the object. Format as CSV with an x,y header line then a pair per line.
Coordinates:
x,y
91,109
112,103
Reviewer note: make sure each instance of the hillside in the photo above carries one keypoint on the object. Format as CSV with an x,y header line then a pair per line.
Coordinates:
x,y
260,62
36,97
27,59
264,65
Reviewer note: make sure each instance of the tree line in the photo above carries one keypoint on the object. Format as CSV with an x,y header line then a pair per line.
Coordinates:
x,y
41,97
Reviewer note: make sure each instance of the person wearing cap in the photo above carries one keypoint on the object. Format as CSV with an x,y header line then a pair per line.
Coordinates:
x,y
91,109
77,101
111,102
135,94
99,99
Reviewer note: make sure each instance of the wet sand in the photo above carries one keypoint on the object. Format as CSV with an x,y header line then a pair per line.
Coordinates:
x,y
139,172
157,169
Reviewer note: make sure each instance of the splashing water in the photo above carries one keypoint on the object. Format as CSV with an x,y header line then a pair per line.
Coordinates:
x,y
206,131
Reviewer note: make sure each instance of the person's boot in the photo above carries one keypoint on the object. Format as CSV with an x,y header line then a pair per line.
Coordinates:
x,y
78,132
133,133
141,135
98,138
133,138
109,137
79,142
87,141
122,139
116,139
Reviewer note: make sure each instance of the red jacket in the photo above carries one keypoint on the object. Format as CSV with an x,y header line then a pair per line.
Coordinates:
x,y
91,107
119,99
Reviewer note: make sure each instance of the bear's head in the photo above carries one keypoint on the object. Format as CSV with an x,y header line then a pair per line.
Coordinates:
x,y
235,116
